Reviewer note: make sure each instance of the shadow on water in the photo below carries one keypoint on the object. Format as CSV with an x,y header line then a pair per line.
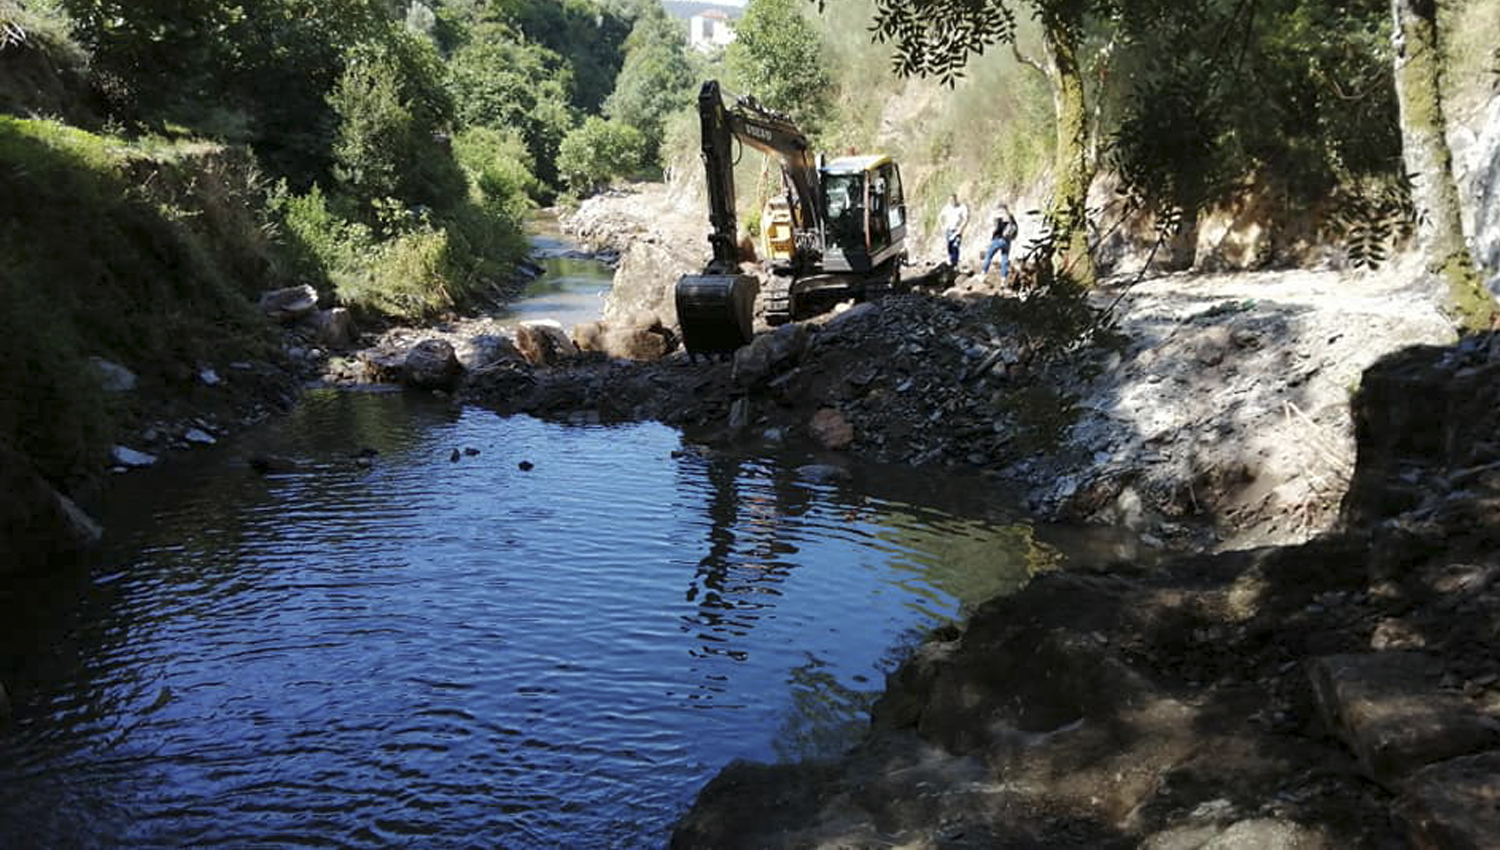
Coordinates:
x,y
450,651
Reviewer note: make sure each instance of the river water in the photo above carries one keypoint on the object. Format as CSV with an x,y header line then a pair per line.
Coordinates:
x,y
424,651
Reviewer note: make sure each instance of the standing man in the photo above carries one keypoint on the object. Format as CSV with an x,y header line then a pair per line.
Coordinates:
x,y
953,219
1004,232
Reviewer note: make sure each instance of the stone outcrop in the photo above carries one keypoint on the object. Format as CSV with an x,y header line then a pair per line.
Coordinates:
x,y
289,304
431,365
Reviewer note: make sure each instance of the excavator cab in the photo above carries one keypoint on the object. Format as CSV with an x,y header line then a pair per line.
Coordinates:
x,y
864,214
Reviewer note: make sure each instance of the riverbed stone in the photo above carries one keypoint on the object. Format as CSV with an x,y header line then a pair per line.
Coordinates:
x,y
769,354
831,429
128,457
289,304
431,365
1454,805
1386,707
636,343
543,343
113,378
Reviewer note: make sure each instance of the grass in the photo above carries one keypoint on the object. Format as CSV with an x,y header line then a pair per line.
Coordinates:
x,y
144,258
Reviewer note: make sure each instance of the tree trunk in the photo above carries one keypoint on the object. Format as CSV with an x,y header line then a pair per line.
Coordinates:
x,y
1072,166
1440,237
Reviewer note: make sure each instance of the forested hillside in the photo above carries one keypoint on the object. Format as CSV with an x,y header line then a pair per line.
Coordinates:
x,y
1218,133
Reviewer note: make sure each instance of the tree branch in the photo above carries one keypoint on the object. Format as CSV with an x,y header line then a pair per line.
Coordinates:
x,y
1028,61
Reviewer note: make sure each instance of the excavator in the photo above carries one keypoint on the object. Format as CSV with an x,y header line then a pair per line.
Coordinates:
x,y
838,231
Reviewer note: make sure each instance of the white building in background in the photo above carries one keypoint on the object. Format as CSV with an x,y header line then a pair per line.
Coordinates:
x,y
710,30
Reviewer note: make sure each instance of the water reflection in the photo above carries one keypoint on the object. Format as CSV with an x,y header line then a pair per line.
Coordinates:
x,y
441,653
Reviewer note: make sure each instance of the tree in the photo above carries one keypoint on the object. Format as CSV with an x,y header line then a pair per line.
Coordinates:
x,y
1418,65
599,151
937,38
501,81
657,79
777,57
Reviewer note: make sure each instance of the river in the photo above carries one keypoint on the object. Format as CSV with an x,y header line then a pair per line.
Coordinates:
x,y
435,647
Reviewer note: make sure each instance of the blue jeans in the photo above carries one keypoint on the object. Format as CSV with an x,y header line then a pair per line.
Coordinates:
x,y
1002,245
953,240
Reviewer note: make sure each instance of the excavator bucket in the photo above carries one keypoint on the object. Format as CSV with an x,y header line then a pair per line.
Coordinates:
x,y
716,311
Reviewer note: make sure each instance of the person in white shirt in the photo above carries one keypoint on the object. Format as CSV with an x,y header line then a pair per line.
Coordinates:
x,y
953,218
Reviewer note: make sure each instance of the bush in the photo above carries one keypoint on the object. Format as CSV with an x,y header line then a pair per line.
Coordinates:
x,y
598,152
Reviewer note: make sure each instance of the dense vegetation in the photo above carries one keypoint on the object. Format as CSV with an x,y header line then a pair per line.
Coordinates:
x,y
168,160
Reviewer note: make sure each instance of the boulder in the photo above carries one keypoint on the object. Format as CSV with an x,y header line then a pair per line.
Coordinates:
x,y
1387,708
431,365
335,328
128,457
485,350
588,336
290,304
543,343
113,378
1454,805
769,354
634,344
831,429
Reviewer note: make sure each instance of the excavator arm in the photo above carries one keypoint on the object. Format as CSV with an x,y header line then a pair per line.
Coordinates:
x,y
771,133
715,308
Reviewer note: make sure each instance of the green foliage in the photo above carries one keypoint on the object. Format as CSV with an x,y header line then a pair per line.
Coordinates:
x,y
499,80
778,58
142,259
600,151
656,80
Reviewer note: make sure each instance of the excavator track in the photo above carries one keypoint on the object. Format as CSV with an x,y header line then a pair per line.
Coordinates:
x,y
779,303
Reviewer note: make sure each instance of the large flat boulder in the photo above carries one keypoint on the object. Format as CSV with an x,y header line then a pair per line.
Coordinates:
x,y
1454,805
1387,708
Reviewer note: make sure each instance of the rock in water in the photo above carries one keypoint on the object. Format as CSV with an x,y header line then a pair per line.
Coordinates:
x,y
525,466
431,365
831,429
290,304
4,704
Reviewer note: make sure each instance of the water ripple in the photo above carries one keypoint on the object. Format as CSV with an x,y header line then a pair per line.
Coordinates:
x,y
439,653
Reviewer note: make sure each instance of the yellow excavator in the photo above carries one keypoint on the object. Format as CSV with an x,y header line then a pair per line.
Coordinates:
x,y
838,231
